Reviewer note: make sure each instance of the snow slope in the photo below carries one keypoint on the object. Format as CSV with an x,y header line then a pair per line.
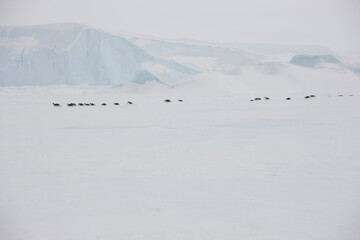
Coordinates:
x,y
258,68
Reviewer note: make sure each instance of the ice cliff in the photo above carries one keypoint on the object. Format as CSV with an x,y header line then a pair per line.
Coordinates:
x,y
71,54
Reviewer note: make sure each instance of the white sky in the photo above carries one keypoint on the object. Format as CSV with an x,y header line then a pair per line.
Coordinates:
x,y
333,23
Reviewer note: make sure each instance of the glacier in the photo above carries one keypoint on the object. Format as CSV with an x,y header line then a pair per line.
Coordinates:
x,y
71,54
312,61
76,54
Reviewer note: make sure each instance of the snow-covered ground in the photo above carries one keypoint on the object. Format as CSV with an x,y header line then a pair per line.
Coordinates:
x,y
215,166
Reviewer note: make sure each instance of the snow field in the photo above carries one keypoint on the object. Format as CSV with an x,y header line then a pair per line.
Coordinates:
x,y
215,166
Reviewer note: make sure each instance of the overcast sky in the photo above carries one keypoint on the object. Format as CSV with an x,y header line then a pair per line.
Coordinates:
x,y
334,23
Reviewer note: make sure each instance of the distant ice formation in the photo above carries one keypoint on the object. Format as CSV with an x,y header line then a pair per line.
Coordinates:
x,y
75,54
313,61
71,54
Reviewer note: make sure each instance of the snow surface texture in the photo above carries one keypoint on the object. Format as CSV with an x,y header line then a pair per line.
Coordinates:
x,y
76,54
215,166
